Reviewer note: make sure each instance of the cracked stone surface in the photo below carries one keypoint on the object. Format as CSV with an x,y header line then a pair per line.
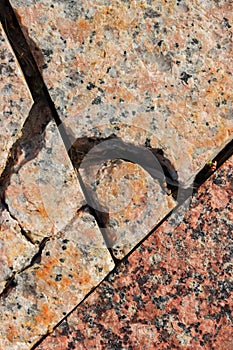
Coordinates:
x,y
44,193
174,292
16,99
133,201
140,69
155,73
72,263
16,251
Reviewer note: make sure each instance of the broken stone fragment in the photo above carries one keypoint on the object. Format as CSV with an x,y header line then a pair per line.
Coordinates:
x,y
43,193
72,263
16,250
130,200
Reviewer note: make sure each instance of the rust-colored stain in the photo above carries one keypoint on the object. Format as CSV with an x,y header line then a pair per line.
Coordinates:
x,y
46,316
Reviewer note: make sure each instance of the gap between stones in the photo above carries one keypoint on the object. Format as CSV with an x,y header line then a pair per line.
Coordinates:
x,y
36,84
43,102
41,97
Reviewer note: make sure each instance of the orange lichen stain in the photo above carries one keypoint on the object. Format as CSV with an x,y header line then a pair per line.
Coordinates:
x,y
46,316
12,333
42,212
83,29
84,277
114,17
46,270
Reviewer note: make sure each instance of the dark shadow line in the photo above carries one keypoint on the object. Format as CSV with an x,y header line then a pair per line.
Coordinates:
x,y
8,18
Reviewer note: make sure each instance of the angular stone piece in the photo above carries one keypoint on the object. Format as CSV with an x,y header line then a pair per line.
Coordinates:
x,y
15,99
138,70
44,193
173,292
72,263
16,250
131,200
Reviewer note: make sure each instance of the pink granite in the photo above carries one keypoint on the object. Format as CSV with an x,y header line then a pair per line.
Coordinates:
x,y
44,193
174,292
156,74
61,254
71,264
15,100
16,250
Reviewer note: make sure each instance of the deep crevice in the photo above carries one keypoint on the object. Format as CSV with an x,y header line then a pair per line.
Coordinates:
x,y
23,232
11,282
10,285
39,90
36,259
25,148
33,76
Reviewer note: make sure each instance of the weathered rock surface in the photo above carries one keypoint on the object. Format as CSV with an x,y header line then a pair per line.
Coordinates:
x,y
71,264
15,99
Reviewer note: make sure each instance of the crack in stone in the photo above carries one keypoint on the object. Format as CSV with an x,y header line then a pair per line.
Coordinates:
x,y
82,146
22,231
25,148
88,152
10,285
36,259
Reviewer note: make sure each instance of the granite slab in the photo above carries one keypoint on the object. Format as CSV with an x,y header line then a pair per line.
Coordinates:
x,y
161,68
131,201
15,99
43,193
173,292
71,264
153,73
52,251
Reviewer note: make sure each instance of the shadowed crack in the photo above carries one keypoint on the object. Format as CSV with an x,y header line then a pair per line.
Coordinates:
x,y
26,148
87,153
36,259
10,285
116,148
29,144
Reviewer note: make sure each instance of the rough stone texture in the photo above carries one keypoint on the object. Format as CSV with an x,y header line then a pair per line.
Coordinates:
x,y
72,263
43,194
154,73
133,201
174,292
158,70
16,251
15,99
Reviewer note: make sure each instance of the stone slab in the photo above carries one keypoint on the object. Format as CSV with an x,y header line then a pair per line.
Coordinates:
x,y
132,203
140,69
43,193
156,74
15,99
174,292
72,263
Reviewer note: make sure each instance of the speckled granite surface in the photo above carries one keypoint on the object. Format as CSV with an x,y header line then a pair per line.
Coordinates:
x,y
16,251
132,201
43,194
72,263
156,69
15,99
154,73
174,292
61,254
